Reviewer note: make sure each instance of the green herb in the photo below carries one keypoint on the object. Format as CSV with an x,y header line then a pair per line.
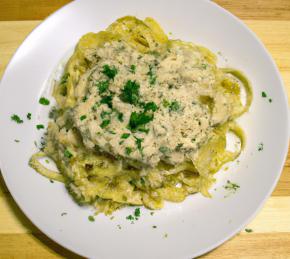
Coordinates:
x,y
204,66
270,100
121,142
260,146
154,226
63,214
174,106
231,186
120,116
164,149
125,135
107,99
46,161
133,69
95,106
51,181
150,106
53,113
249,230
67,153
128,151
130,92
152,213
264,95
137,119
105,123
165,235
85,98
130,217
40,126
91,218
142,129
28,116
110,72
138,142
44,101
16,140
103,86
165,103
112,132
16,118
119,226
152,77
83,117
137,213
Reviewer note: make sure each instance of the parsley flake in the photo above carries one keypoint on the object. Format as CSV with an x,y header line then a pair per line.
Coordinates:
x,y
263,94
105,123
133,69
67,153
249,230
83,117
174,106
110,72
128,150
138,119
130,92
44,101
16,140
103,86
28,116
260,146
16,118
91,218
125,135
40,126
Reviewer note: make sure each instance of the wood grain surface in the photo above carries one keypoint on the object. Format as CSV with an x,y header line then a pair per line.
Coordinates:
x,y
270,20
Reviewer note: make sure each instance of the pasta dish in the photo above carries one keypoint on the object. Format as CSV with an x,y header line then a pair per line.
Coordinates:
x,y
141,119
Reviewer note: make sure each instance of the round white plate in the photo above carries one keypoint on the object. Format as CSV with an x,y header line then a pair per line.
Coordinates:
x,y
183,230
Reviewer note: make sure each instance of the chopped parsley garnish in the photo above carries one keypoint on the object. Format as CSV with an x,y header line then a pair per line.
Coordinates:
x,y
260,146
204,66
138,119
270,100
28,116
91,218
130,217
67,153
63,214
40,126
125,135
128,151
249,230
120,116
133,69
264,95
152,76
16,140
174,106
137,213
179,146
138,143
152,213
130,92
51,181
154,226
165,235
150,106
107,99
16,118
165,103
85,98
231,186
105,123
110,72
83,117
103,86
44,101
119,226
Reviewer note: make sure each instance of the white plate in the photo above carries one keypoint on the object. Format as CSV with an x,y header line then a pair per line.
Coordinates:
x,y
193,227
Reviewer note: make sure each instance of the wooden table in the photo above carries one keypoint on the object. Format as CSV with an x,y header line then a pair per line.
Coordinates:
x,y
270,20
